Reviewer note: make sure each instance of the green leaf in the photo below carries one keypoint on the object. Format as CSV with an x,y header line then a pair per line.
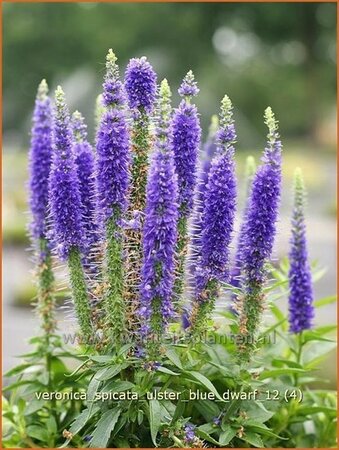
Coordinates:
x,y
109,372
124,349
38,432
19,369
104,428
226,436
17,384
77,369
167,371
287,363
205,382
273,286
208,409
318,274
174,358
316,352
308,410
118,386
325,329
279,315
179,411
51,425
154,419
253,439
140,416
325,301
256,410
278,372
82,419
313,335
261,429
228,372
203,435
101,358
34,406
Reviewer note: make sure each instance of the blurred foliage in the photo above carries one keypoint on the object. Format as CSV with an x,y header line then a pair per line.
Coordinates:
x,y
277,53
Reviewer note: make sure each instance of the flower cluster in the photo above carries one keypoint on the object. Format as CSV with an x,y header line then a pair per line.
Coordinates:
x,y
160,229
301,310
151,201
185,141
64,191
140,84
40,158
112,147
85,166
217,220
259,233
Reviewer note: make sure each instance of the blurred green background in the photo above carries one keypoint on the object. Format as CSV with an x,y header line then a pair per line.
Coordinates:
x,y
260,54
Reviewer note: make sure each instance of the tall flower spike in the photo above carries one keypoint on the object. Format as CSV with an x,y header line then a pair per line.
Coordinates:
x,y
40,158
259,237
112,184
140,86
301,310
84,160
65,203
185,142
217,222
249,175
195,229
160,229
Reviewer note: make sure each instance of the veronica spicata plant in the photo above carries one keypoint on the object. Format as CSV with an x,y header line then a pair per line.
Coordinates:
x,y
113,158
185,141
40,159
140,86
160,228
165,363
217,222
260,231
301,310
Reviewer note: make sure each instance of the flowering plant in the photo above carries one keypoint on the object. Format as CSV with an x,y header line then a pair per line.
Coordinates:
x,y
173,345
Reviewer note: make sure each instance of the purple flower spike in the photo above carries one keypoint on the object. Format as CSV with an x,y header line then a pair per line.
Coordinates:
x,y
189,87
40,158
236,271
263,209
112,147
301,310
185,142
207,155
140,84
84,160
258,240
160,230
112,92
65,200
219,207
217,221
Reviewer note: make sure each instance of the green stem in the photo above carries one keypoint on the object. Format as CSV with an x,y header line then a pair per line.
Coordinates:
x,y
249,321
141,144
181,252
203,308
300,345
178,442
46,310
46,297
80,295
114,302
